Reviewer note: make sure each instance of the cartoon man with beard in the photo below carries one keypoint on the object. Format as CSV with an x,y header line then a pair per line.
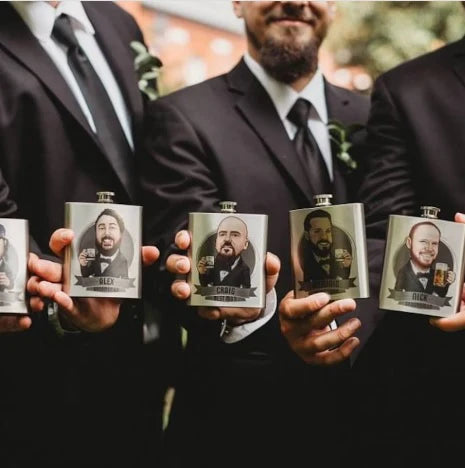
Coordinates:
x,y
108,261
229,268
320,261
417,275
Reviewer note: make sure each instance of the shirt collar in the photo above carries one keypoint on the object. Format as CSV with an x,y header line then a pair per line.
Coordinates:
x,y
284,96
40,16
111,259
417,270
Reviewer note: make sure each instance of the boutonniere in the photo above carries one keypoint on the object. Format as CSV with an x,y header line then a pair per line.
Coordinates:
x,y
340,135
147,67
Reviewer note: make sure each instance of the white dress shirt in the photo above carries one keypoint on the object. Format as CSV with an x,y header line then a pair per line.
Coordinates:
x,y
40,19
284,98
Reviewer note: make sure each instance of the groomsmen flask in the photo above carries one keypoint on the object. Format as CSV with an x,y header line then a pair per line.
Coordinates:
x,y
227,255
104,258
14,250
328,250
423,264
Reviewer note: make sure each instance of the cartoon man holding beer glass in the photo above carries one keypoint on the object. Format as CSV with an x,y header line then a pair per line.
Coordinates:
x,y
421,273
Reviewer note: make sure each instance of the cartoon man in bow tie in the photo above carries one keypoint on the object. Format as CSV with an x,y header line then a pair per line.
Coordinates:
x,y
418,274
108,259
321,259
229,268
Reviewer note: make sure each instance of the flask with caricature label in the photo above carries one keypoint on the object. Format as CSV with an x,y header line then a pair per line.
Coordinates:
x,y
14,250
328,249
104,258
227,255
423,264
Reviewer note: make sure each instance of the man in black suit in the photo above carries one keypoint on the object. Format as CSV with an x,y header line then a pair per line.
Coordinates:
x,y
109,261
320,261
416,138
69,130
245,136
229,268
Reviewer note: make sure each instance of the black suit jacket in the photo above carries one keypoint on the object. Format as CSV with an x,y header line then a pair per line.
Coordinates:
x,y
239,276
118,268
416,137
223,140
314,271
407,280
93,384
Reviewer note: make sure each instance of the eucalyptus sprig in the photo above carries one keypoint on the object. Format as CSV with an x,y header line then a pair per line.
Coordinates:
x,y
340,135
147,67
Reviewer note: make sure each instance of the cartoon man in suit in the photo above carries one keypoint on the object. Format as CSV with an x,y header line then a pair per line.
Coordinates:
x,y
229,268
320,261
109,261
417,274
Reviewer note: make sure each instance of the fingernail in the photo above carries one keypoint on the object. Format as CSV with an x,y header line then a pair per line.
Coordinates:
x,y
65,235
181,265
321,299
354,324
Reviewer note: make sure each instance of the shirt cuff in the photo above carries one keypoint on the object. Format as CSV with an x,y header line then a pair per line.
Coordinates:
x,y
240,332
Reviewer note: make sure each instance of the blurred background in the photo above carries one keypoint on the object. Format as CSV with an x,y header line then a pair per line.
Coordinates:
x,y
199,39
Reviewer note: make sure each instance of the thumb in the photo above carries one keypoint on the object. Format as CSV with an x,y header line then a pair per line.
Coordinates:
x,y
272,267
60,239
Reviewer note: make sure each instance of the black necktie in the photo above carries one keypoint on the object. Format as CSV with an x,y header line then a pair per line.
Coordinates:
x,y
307,148
109,131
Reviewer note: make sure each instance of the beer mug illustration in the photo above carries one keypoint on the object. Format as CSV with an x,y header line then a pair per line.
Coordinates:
x,y
440,275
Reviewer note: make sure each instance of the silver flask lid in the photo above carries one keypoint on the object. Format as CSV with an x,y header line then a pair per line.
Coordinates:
x,y
105,197
430,212
323,199
228,206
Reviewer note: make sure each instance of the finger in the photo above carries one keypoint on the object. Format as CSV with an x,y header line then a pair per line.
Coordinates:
x,y
60,239
314,344
178,264
182,240
272,267
293,309
209,313
36,303
150,255
47,270
180,290
330,312
453,323
48,290
14,324
32,258
335,356
65,303
238,313
460,218
32,285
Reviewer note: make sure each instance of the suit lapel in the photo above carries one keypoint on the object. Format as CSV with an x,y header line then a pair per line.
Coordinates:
x,y
339,109
258,110
19,42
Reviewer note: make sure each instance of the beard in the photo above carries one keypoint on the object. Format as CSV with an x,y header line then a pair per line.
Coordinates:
x,y
224,262
423,263
286,58
107,252
321,249
287,62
